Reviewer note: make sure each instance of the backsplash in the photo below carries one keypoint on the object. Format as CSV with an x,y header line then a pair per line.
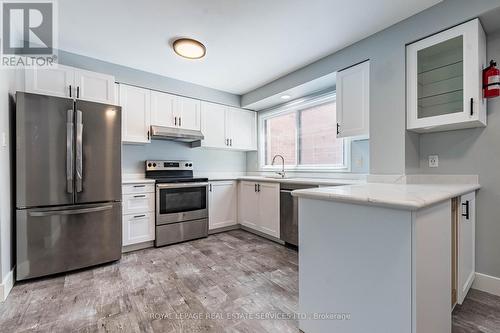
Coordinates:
x,y
204,160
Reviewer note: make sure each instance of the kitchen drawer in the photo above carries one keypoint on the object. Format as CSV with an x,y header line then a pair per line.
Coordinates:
x,y
138,228
138,188
138,203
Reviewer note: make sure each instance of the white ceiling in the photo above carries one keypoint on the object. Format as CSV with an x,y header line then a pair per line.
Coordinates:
x,y
249,42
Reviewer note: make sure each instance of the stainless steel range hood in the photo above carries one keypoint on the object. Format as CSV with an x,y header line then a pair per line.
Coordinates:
x,y
177,134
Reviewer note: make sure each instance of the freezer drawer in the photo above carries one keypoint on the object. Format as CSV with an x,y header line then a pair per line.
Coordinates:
x,y
55,240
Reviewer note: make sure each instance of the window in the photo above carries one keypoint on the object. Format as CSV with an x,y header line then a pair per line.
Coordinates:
x,y
304,134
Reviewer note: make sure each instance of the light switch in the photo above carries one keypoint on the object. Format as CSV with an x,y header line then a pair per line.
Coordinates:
x,y
4,139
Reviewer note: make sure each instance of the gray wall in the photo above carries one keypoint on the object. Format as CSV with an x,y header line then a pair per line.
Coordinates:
x,y
148,80
475,151
391,148
205,160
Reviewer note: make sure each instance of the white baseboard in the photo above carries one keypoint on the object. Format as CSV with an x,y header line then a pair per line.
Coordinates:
x,y
6,286
487,283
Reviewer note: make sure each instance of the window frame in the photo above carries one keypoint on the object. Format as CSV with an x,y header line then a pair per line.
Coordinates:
x,y
295,107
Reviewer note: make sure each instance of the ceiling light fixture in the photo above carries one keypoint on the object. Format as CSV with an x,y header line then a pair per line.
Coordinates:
x,y
189,48
286,97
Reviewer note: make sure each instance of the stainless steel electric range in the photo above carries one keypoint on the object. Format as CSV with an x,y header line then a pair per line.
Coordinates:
x,y
181,202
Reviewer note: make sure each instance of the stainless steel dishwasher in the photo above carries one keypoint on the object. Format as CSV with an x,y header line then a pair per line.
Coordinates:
x,y
289,217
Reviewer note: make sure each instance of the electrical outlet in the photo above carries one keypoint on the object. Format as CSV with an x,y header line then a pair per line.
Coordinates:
x,y
4,139
433,161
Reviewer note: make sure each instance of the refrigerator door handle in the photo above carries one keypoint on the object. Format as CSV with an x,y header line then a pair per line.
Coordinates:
x,y
69,151
79,151
42,213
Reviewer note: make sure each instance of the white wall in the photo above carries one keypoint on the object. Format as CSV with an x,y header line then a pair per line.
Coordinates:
x,y
7,85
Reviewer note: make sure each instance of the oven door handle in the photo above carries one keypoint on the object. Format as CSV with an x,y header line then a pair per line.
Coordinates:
x,y
180,185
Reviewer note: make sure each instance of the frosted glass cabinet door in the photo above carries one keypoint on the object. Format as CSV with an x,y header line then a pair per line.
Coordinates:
x,y
444,80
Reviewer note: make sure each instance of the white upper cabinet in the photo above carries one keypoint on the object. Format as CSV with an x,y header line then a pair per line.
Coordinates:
x,y
228,127
95,87
353,101
136,112
163,109
466,245
175,111
241,129
189,113
213,125
444,80
58,81
65,81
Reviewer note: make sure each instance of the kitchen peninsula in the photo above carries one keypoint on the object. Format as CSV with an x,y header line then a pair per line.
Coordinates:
x,y
394,257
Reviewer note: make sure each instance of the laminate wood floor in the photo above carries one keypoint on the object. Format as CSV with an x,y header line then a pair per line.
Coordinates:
x,y
234,277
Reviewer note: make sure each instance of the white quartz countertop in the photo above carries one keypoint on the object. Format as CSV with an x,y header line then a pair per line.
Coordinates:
x,y
398,196
302,180
126,181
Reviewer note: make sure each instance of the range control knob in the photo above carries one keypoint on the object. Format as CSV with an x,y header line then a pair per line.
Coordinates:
x,y
190,164
186,165
149,165
154,165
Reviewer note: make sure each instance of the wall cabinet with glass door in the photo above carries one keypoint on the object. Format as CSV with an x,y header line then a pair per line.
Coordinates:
x,y
444,87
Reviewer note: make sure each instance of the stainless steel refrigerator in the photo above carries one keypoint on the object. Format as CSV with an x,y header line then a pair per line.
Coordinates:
x,y
68,184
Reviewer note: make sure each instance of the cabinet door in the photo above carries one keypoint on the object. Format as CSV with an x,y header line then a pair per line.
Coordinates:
x,y
466,245
189,113
163,109
248,205
241,128
95,87
51,81
444,80
353,101
138,228
269,208
213,125
136,110
222,204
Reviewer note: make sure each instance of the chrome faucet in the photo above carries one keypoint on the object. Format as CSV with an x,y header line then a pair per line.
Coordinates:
x,y
282,173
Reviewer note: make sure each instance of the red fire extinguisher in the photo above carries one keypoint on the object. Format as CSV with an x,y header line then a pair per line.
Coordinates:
x,y
491,81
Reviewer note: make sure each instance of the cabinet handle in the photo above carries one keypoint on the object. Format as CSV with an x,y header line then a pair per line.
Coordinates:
x,y
139,216
70,90
231,142
472,106
258,187
140,196
255,185
78,92
180,121
227,142
139,185
175,121
338,129
466,205
210,188
148,136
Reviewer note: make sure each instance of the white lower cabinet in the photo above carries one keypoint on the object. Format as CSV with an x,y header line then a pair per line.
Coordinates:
x,y
138,213
222,204
259,207
466,245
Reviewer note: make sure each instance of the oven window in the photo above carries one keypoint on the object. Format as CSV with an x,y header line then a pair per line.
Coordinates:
x,y
177,200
